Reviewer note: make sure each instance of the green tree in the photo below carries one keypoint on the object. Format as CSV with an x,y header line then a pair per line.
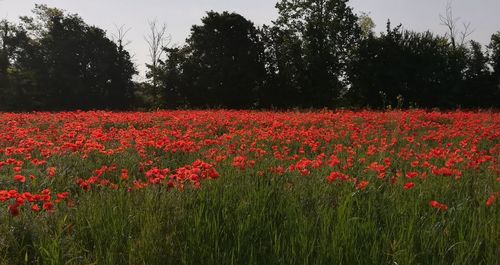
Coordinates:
x,y
329,33
122,90
285,69
171,77
403,68
224,65
495,52
157,40
58,62
4,59
25,66
366,25
478,90
495,64
86,69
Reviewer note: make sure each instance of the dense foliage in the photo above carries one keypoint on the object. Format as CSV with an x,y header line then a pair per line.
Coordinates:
x,y
240,187
221,65
317,53
55,61
402,68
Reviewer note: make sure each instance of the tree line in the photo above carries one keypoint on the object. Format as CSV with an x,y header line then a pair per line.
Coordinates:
x,y
316,54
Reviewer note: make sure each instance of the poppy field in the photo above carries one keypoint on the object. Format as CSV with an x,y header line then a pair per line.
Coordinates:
x,y
250,187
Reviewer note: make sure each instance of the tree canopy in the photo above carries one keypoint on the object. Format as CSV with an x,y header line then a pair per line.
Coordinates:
x,y
223,64
55,61
317,53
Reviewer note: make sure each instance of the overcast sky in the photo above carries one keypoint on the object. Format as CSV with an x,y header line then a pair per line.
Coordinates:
x,y
179,15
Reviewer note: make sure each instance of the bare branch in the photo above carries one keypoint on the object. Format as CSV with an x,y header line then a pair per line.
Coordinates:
x,y
157,40
119,36
465,33
450,22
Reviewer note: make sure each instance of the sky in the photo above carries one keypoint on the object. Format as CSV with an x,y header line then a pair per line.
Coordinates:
x,y
180,15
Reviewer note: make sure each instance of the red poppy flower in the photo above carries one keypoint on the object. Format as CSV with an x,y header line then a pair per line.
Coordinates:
x,y
35,208
48,206
20,178
362,185
439,206
124,174
411,175
492,199
51,171
409,185
14,210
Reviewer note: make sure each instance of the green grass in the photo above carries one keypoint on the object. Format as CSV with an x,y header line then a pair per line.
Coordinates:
x,y
256,216
247,219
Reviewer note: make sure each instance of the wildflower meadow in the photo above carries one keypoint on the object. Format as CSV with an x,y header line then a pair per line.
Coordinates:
x,y
250,187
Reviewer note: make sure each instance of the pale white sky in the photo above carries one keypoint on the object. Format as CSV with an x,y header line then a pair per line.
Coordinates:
x,y
180,15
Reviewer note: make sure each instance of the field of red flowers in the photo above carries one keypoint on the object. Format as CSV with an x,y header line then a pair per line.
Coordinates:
x,y
242,187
